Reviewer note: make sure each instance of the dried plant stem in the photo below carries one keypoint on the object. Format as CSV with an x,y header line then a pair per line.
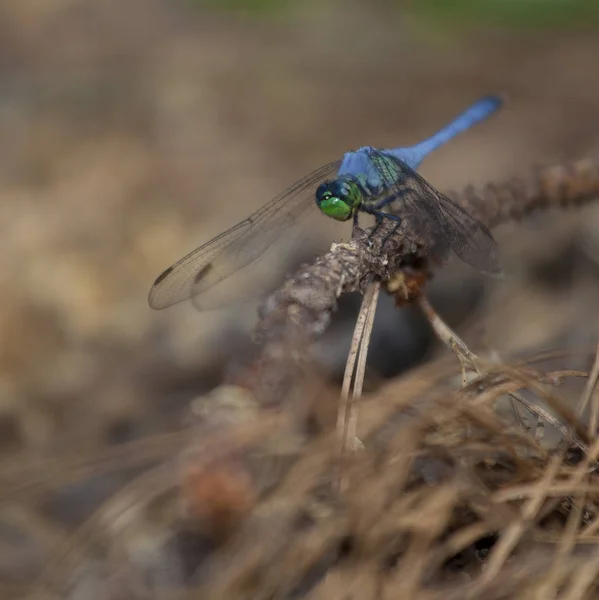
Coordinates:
x,y
122,505
466,357
347,415
351,362
588,394
514,532
371,302
469,359
578,482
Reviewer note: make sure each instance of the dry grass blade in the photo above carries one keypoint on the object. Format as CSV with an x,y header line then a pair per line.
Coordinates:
x,y
514,532
583,578
589,392
566,544
120,507
18,479
347,415
360,339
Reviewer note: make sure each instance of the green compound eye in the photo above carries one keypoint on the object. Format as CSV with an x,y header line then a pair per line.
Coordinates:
x,y
331,199
336,200
335,208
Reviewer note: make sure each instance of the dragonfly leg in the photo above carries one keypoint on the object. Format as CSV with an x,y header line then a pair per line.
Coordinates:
x,y
376,226
379,216
378,220
355,225
397,220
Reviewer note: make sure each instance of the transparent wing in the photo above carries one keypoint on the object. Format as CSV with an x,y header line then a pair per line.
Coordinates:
x,y
471,240
220,258
450,225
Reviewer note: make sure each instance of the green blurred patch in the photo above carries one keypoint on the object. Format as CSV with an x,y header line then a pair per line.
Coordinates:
x,y
249,7
514,13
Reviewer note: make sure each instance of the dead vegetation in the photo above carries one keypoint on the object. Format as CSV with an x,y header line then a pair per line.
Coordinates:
x,y
117,115
446,499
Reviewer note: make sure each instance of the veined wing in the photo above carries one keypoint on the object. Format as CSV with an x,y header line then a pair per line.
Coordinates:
x,y
452,227
218,259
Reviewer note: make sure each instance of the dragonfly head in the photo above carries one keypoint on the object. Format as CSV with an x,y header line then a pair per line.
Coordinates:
x,y
338,199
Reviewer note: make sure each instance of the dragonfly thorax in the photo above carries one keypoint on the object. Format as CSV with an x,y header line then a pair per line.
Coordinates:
x,y
340,198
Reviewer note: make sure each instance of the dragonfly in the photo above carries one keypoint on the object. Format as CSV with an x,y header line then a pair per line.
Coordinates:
x,y
383,183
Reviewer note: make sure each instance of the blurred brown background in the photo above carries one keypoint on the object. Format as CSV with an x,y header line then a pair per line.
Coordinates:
x,y
131,132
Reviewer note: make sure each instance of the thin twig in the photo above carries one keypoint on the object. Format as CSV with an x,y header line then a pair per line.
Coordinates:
x,y
468,358
450,339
